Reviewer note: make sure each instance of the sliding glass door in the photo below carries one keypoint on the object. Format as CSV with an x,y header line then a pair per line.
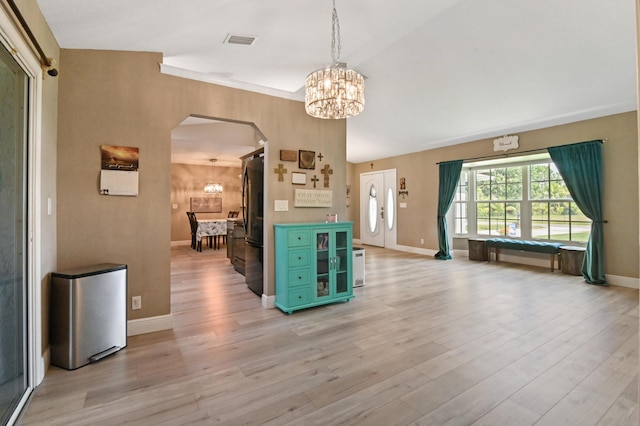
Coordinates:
x,y
13,232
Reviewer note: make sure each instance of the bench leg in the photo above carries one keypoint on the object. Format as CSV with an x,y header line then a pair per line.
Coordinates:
x,y
497,254
552,262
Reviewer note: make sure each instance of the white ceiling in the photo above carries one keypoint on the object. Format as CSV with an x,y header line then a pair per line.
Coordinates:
x,y
439,72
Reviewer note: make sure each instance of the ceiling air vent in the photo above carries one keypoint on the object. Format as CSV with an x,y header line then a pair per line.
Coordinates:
x,y
240,39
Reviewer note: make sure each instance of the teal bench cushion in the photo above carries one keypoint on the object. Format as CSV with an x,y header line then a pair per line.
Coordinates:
x,y
535,246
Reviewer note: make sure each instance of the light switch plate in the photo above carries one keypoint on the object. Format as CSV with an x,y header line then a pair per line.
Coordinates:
x,y
281,205
403,205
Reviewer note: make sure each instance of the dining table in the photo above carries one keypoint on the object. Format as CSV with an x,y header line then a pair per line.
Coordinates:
x,y
212,229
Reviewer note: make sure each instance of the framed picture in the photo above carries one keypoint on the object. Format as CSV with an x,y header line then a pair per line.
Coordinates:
x,y
206,205
307,160
298,178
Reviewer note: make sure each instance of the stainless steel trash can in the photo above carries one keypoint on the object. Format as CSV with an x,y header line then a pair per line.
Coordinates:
x,y
87,314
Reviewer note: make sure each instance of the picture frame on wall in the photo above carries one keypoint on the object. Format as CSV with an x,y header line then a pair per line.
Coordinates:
x,y
298,178
206,204
307,160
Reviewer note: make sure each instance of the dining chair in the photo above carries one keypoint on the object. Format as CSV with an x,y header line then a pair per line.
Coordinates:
x,y
193,223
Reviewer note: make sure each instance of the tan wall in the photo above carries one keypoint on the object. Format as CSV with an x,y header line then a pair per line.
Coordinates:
x,y
188,180
620,157
109,97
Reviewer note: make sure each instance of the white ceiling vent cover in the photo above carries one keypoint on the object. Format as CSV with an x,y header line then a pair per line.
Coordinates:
x,y
240,39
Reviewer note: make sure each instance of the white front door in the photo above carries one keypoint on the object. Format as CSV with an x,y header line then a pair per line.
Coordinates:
x,y
377,208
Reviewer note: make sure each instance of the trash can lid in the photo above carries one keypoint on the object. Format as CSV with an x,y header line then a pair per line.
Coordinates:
x,y
86,271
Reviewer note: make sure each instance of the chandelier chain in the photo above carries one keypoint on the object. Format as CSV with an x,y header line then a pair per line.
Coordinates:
x,y
336,47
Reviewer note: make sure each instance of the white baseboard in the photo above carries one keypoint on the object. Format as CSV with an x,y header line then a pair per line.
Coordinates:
x,y
415,250
149,325
181,243
268,302
623,281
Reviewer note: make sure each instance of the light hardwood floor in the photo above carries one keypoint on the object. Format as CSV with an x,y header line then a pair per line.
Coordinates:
x,y
424,342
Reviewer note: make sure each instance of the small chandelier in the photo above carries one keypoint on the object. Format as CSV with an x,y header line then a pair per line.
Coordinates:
x,y
211,187
335,92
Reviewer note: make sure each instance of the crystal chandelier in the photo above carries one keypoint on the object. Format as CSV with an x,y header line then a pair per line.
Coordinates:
x,y
334,92
211,187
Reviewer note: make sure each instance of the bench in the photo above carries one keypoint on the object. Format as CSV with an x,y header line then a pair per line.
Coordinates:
x,y
552,249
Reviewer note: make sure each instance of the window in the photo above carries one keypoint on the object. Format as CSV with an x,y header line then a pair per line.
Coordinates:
x,y
460,207
522,198
498,195
554,215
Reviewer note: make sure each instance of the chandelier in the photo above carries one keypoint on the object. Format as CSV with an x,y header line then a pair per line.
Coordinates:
x,y
211,187
335,92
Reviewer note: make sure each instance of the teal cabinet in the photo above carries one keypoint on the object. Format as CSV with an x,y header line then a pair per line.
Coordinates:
x,y
313,264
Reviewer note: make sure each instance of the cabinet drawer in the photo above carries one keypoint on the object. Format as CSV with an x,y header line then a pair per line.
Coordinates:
x,y
299,277
298,258
298,238
301,296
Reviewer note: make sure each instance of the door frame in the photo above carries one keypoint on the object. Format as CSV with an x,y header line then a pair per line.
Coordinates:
x,y
12,40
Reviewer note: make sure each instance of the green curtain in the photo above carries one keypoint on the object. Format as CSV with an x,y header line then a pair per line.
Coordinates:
x,y
580,165
449,177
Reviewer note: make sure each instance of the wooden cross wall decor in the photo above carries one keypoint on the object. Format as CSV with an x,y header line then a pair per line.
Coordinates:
x,y
315,180
320,156
326,171
280,171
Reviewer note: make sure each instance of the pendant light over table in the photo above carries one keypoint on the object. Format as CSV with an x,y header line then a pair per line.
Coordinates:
x,y
213,187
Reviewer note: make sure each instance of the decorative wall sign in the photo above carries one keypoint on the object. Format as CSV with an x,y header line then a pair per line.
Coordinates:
x,y
298,178
326,171
119,157
287,155
206,205
403,187
119,170
505,143
307,160
280,171
313,198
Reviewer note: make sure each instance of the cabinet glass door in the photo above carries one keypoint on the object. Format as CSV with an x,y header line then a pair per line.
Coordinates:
x,y
323,264
341,262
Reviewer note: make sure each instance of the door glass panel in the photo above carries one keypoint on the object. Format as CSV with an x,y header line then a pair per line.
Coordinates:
x,y
13,341
373,209
390,209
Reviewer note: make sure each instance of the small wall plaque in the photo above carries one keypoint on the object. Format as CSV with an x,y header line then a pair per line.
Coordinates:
x,y
287,155
505,143
298,178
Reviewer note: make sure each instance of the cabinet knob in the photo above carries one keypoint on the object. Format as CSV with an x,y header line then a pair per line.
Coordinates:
x,y
299,277
299,257
299,238
299,297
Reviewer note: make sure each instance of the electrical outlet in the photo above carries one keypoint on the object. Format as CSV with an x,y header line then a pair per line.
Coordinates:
x,y
421,240
136,302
